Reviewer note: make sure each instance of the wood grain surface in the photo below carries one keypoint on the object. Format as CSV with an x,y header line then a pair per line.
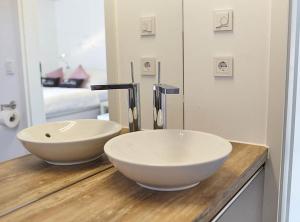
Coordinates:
x,y
28,179
109,196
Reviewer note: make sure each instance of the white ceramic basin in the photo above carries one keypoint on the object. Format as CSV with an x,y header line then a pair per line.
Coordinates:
x,y
167,160
69,142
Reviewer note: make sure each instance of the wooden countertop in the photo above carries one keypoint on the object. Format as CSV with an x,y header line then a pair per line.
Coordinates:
x,y
28,179
37,191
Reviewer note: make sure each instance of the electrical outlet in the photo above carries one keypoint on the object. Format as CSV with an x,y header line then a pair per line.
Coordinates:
x,y
223,66
148,66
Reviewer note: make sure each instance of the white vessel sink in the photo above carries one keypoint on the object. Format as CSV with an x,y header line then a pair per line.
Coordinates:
x,y
167,160
69,142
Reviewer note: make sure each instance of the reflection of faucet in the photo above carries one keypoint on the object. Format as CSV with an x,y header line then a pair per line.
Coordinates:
x,y
134,113
160,92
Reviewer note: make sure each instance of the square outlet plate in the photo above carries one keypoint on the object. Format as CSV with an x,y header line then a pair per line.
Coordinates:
x,y
148,66
223,66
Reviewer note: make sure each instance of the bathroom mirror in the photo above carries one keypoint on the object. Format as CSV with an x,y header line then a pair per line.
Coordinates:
x,y
95,40
71,55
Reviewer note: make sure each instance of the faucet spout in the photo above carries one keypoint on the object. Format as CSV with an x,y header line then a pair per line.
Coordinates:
x,y
113,86
167,89
134,111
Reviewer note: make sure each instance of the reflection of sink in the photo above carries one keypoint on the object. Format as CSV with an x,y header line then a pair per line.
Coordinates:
x,y
69,142
167,160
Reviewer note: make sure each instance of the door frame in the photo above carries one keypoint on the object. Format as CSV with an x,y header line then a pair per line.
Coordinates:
x,y
27,11
289,166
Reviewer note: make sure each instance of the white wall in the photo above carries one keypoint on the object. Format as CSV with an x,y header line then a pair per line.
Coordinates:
x,y
47,35
166,46
235,108
72,27
80,32
11,87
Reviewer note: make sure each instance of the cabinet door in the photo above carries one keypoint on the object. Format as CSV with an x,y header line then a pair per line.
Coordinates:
x,y
248,206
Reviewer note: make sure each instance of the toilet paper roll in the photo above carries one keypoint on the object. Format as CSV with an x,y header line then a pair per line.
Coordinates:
x,y
9,118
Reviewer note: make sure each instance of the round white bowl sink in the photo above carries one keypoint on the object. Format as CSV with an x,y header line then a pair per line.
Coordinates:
x,y
167,160
69,142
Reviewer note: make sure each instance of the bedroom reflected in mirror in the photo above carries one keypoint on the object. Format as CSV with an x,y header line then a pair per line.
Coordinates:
x,y
72,56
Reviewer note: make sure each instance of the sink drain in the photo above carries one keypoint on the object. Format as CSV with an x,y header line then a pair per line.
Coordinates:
x,y
48,135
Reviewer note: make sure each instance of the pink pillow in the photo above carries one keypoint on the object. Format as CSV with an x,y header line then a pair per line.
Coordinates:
x,y
58,73
79,73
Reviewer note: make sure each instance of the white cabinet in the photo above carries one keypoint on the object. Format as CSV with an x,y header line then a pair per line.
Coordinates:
x,y
246,207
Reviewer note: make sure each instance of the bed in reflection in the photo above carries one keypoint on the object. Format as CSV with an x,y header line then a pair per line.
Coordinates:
x,y
66,103
73,103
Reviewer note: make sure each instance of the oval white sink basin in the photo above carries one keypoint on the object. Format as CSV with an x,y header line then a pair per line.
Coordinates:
x,y
167,160
69,142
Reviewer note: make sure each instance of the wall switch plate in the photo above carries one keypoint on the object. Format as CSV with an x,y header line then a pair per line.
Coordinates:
x,y
148,66
223,20
223,66
148,26
10,67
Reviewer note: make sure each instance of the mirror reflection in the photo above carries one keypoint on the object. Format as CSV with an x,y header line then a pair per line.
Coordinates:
x,y
72,56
